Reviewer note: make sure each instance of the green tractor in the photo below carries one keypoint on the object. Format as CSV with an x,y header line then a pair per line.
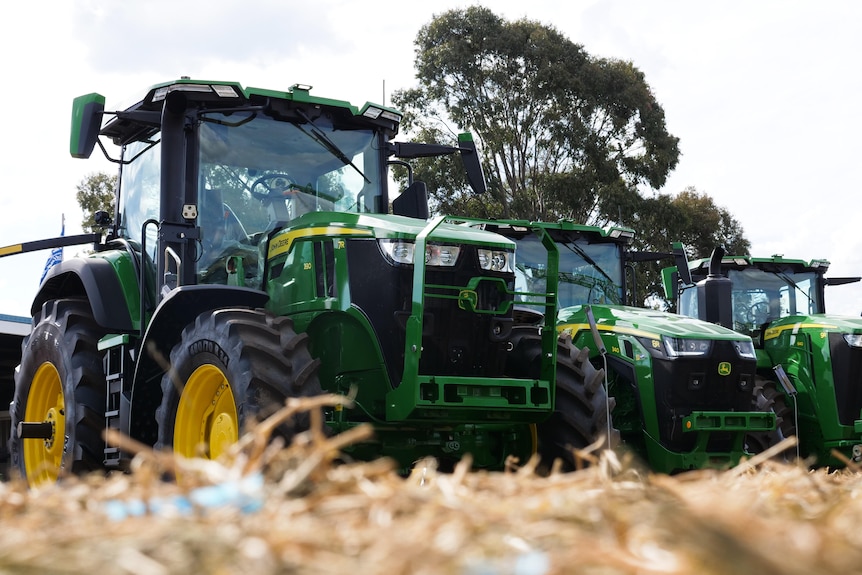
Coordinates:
x,y
809,363
681,388
256,254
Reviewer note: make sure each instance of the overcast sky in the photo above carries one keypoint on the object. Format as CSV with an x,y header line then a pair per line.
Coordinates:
x,y
763,95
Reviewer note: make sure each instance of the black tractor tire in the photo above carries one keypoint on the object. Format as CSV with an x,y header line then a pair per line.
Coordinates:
x,y
766,398
582,407
245,364
61,382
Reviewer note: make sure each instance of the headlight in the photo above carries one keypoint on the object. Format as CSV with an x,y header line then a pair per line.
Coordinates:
x,y
496,260
399,251
441,255
679,347
402,252
745,349
853,339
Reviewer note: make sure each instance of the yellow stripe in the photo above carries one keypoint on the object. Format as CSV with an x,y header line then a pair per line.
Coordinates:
x,y
577,327
9,250
282,242
774,332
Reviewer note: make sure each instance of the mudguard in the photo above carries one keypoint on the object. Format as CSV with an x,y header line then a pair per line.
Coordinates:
x,y
92,278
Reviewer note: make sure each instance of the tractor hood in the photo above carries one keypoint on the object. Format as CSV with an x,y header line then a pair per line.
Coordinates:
x,y
826,323
643,323
380,226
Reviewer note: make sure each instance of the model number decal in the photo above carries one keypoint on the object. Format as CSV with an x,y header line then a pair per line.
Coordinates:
x,y
282,242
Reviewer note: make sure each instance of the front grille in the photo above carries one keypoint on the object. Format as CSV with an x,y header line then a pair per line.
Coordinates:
x,y
847,375
455,341
684,385
461,341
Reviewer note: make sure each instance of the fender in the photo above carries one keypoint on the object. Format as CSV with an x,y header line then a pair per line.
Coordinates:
x,y
92,278
346,343
179,308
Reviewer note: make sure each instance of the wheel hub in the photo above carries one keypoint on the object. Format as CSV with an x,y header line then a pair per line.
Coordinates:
x,y
43,459
207,422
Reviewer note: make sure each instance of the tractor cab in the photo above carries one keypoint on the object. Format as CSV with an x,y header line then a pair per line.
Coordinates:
x,y
763,290
209,169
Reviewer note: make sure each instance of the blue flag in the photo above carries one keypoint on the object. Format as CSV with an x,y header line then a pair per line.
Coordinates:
x,y
56,254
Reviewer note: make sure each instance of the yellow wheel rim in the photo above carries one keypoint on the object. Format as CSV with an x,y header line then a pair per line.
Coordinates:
x,y
207,421
43,458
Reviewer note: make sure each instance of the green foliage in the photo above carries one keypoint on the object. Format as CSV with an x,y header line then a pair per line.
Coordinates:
x,y
95,192
563,134
690,217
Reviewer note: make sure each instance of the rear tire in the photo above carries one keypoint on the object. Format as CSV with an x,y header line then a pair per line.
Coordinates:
x,y
582,406
234,367
60,381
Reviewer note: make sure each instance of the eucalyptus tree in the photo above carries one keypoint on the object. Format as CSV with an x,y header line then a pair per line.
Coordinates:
x,y
563,134
690,217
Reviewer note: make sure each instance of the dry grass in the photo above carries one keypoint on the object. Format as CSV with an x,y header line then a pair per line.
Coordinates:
x,y
286,510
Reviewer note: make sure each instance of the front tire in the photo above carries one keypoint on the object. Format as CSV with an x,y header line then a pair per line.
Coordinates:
x,y
766,398
231,368
581,406
60,382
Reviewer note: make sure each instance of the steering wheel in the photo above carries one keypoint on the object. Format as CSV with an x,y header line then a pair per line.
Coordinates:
x,y
758,313
273,184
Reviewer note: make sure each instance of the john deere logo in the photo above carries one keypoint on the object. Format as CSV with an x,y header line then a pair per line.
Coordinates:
x,y
468,300
724,368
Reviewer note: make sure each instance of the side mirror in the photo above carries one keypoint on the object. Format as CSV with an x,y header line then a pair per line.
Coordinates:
x,y
681,260
466,146
472,165
87,113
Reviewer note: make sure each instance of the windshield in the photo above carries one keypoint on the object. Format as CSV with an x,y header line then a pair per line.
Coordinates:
x,y
589,273
759,297
266,170
254,172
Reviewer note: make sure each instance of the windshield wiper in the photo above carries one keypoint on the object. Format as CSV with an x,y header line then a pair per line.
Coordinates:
x,y
330,146
794,285
572,246
586,257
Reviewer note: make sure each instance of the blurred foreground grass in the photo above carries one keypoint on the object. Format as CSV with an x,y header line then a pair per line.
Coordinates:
x,y
275,509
